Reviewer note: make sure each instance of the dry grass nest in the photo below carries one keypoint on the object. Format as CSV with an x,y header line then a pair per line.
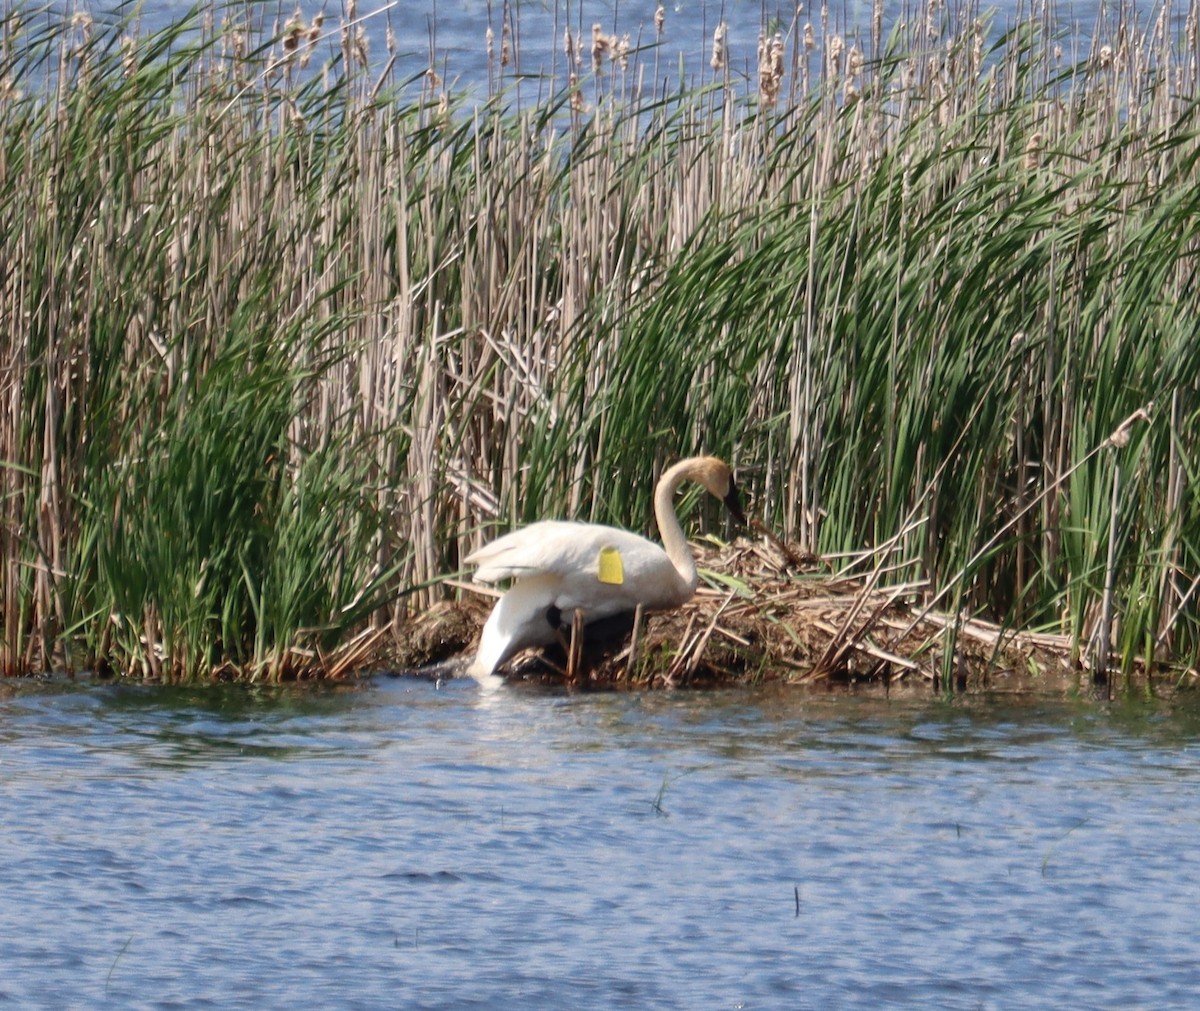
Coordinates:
x,y
764,612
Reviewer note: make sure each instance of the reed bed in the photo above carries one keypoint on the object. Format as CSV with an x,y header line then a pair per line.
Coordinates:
x,y
286,339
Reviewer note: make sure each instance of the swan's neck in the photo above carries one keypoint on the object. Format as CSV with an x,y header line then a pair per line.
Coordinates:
x,y
673,540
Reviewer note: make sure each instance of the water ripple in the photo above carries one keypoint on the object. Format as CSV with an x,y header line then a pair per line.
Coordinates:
x,y
405,843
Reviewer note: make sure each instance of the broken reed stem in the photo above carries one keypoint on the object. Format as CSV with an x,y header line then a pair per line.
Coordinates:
x,y
634,636
790,556
695,653
575,673
1102,646
682,654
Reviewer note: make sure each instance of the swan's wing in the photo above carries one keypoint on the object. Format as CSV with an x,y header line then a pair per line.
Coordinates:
x,y
569,550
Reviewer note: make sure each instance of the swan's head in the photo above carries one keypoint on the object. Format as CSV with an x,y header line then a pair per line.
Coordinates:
x,y
715,475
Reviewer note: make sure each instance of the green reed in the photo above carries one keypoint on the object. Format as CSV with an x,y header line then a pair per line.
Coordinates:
x,y
285,341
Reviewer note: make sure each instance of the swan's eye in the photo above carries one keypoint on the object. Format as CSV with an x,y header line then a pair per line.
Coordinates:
x,y
554,616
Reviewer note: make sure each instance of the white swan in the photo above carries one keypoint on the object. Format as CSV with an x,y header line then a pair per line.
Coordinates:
x,y
561,567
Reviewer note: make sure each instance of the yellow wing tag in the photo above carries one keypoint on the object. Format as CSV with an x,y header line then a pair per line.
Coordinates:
x,y
612,569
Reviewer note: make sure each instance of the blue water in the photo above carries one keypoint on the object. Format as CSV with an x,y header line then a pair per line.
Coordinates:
x,y
450,35
405,845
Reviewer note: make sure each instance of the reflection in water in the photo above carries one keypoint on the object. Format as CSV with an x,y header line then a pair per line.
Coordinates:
x,y
410,844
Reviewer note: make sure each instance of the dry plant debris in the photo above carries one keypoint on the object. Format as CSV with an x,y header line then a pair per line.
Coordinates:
x,y
765,612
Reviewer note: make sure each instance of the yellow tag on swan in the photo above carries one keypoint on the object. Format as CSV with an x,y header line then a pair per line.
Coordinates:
x,y
612,569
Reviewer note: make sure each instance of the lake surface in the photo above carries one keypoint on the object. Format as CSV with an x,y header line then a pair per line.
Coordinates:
x,y
450,35
402,844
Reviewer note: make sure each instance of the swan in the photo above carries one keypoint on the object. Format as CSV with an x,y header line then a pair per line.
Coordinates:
x,y
561,567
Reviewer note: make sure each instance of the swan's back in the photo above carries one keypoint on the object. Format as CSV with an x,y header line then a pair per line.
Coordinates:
x,y
562,548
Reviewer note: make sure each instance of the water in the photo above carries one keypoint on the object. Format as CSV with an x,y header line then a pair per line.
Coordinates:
x,y
405,845
450,35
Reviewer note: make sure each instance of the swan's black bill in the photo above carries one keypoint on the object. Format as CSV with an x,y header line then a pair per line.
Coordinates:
x,y
734,505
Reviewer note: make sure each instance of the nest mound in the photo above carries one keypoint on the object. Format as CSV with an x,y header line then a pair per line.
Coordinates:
x,y
766,613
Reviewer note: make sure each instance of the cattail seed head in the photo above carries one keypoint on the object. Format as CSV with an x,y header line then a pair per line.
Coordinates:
x,y
932,21
602,45
293,32
770,68
1033,152
128,56
854,61
833,54
1120,437
718,47
624,47
83,21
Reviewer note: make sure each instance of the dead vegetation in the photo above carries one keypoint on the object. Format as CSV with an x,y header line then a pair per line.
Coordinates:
x,y
768,613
